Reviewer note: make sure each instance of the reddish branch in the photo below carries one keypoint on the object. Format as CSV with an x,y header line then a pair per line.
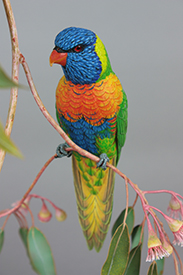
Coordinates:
x,y
15,73
10,211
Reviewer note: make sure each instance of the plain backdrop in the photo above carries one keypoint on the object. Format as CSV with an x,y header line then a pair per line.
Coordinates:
x,y
144,40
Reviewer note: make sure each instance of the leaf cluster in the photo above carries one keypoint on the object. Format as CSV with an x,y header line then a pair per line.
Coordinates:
x,y
124,255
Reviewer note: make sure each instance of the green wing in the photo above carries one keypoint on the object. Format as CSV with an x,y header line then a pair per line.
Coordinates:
x,y
122,122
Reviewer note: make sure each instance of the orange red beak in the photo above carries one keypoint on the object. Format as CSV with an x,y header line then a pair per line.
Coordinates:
x,y
58,58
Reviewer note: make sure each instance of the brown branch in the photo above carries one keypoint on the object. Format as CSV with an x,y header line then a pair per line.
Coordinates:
x,y
49,117
15,73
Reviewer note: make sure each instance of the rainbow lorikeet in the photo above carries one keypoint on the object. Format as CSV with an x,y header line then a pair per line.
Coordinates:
x,y
91,107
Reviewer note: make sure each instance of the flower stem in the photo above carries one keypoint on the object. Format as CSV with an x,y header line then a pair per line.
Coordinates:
x,y
23,219
43,199
32,217
180,261
164,191
175,264
155,219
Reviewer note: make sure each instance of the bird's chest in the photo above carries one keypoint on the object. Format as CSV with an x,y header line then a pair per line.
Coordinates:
x,y
87,113
95,102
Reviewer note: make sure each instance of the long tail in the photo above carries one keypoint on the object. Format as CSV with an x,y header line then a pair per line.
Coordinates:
x,y
94,194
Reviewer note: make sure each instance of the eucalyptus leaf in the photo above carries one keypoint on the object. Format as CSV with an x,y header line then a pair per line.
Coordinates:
x,y
160,265
153,269
23,232
1,239
136,233
6,81
133,266
129,220
118,253
7,144
40,253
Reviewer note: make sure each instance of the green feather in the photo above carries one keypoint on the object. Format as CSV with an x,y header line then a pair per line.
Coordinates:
x,y
122,121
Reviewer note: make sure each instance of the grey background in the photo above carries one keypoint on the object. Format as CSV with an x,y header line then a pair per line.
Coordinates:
x,y
144,40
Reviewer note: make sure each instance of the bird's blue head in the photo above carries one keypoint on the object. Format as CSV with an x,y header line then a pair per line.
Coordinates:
x,y
82,55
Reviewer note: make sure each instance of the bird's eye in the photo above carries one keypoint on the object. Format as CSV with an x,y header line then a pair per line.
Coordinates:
x,y
78,48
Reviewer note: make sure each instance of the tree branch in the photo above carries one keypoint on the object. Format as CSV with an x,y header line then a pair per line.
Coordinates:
x,y
15,73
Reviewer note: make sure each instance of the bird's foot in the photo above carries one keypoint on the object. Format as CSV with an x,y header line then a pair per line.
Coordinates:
x,y
103,161
61,152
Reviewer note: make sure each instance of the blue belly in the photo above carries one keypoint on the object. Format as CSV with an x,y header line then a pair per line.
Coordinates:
x,y
85,134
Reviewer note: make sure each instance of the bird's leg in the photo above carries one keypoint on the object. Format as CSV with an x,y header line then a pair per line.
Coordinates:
x,y
103,161
61,152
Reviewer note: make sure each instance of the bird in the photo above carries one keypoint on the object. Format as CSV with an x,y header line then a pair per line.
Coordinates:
x,y
91,107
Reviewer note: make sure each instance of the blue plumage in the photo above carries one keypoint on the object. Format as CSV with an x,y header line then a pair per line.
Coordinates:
x,y
82,67
84,134
79,36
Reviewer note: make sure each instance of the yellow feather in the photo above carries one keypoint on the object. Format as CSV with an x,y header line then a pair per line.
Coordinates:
x,y
94,202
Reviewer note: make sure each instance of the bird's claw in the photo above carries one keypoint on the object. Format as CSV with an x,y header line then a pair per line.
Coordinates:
x,y
103,161
61,152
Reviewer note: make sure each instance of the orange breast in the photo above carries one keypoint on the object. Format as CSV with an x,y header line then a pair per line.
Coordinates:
x,y
93,102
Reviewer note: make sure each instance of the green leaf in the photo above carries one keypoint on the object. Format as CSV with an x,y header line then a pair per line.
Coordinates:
x,y
1,239
6,81
7,144
160,265
40,253
23,232
133,266
153,269
129,220
136,236
118,254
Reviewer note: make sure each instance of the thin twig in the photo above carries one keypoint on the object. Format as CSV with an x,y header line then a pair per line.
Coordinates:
x,y
127,200
32,216
49,117
180,261
43,199
134,203
4,224
142,230
23,218
19,219
29,190
175,264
